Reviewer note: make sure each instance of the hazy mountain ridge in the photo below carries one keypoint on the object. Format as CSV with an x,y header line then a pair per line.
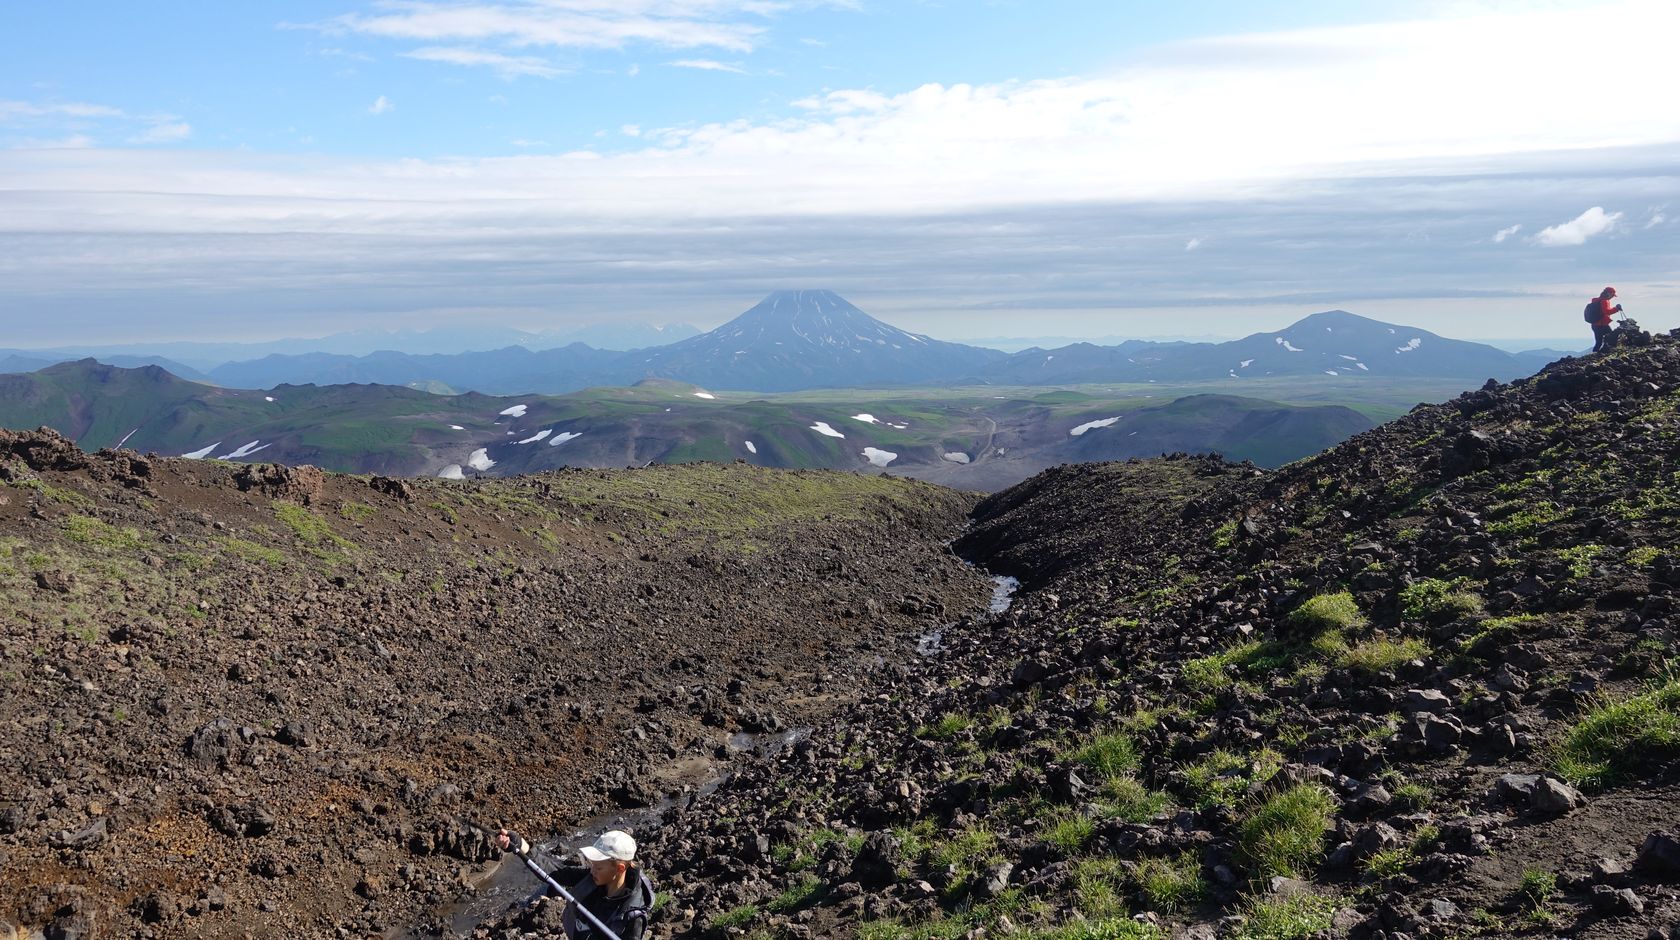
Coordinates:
x,y
796,340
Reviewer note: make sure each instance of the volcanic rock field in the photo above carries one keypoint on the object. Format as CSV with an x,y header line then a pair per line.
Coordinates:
x,y
1421,685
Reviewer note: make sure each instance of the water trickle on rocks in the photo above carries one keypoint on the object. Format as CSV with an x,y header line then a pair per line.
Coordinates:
x,y
1003,594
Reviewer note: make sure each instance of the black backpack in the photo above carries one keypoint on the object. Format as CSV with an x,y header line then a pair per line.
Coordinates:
x,y
1591,313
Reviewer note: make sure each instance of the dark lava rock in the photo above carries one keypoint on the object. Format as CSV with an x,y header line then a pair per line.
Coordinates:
x,y
1659,856
878,860
1616,902
246,820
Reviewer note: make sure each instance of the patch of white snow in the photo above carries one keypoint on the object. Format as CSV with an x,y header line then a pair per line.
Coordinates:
x,y
456,427
452,472
1286,344
565,436
706,395
126,437
268,398
536,437
1089,425
1411,344
866,418
517,411
752,448
480,460
821,427
245,451
879,457
1245,363
1363,366
1350,358
201,454
957,456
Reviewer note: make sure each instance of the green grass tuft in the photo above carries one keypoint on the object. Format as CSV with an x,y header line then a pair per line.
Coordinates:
x,y
1616,738
1170,884
1328,612
1293,918
1381,654
1285,834
1438,601
1111,754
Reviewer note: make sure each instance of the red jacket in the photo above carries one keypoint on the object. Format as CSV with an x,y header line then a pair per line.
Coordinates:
x,y
1605,311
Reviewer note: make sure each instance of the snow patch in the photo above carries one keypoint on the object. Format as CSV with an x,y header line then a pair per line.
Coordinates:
x,y
1363,366
866,418
452,472
268,398
1245,363
821,427
456,427
245,451
752,448
879,457
1286,344
1089,425
126,437
706,395
565,436
1331,372
517,411
956,456
480,460
536,437
1411,344
201,454
1350,358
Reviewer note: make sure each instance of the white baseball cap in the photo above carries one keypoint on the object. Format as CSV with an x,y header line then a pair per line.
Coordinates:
x,y
613,844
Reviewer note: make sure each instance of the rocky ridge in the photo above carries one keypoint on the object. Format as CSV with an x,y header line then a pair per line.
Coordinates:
x,y
267,701
1420,685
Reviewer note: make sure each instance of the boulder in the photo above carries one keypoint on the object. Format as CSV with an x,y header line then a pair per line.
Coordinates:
x,y
878,860
1659,857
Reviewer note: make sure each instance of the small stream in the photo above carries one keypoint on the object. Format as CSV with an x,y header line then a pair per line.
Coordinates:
x,y
509,885
1003,594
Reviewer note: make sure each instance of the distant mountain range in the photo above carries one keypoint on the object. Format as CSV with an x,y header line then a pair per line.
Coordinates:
x,y
978,441
815,339
198,358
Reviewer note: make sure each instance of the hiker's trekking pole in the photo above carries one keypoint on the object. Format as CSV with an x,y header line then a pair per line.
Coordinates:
x,y
595,922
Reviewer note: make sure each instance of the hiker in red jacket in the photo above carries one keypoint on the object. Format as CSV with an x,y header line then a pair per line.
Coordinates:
x,y
1599,313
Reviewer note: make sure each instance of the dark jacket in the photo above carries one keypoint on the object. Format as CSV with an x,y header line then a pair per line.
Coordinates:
x,y
625,915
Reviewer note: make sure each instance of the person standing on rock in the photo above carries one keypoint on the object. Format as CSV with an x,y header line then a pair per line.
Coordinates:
x,y
609,884
1598,313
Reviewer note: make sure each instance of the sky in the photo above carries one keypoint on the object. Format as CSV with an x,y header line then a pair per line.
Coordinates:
x,y
969,168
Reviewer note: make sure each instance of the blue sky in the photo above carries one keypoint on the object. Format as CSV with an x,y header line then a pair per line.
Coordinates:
x,y
232,171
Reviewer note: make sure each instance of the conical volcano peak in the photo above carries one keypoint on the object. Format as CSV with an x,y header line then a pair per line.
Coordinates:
x,y
809,338
814,318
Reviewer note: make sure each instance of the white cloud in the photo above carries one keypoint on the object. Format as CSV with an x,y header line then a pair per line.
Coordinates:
x,y
1506,232
735,25
72,142
167,132
506,66
630,130
380,105
1576,231
1193,243
1658,217
13,110
633,71
707,65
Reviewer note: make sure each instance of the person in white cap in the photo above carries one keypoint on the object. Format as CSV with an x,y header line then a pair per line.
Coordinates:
x,y
614,888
